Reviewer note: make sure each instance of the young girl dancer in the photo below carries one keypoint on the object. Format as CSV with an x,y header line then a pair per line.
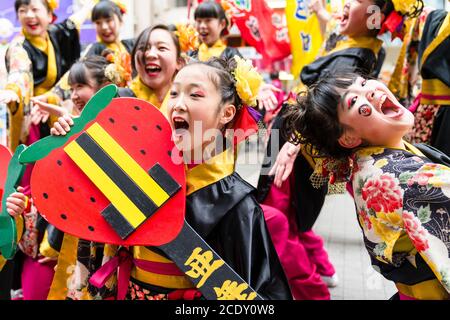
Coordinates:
x,y
401,196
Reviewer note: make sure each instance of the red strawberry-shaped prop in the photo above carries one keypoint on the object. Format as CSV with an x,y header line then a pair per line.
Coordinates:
x,y
124,147
112,179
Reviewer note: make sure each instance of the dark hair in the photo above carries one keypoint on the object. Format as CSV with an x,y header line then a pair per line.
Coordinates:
x,y
211,9
89,67
105,9
223,79
19,3
142,41
313,119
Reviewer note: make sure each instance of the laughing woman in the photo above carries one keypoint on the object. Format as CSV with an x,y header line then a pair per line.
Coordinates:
x,y
37,59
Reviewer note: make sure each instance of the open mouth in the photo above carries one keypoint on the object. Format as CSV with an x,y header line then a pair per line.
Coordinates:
x,y
152,69
33,26
389,108
344,18
180,125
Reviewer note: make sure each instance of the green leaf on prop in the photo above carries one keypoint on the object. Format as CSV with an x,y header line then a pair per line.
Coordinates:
x,y
8,232
43,147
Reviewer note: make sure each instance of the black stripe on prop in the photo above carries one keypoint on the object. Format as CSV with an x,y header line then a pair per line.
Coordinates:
x,y
165,181
117,221
120,178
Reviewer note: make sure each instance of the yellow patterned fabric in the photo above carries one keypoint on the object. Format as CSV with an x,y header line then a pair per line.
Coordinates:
x,y
143,92
20,80
205,52
427,290
64,268
401,221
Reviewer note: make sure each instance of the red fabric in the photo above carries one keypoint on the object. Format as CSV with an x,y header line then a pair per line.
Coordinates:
x,y
405,297
184,294
303,277
123,264
313,244
255,22
36,278
246,125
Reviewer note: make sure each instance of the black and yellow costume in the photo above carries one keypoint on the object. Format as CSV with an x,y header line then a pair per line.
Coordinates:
x,y
221,208
353,54
434,62
219,50
48,60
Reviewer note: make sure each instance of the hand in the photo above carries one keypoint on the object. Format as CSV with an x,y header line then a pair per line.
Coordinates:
x,y
61,127
316,6
284,163
42,98
267,98
42,110
7,96
43,259
38,115
16,203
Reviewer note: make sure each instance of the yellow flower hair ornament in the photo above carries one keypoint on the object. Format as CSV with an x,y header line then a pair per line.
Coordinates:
x,y
115,71
188,37
122,6
53,4
248,81
410,8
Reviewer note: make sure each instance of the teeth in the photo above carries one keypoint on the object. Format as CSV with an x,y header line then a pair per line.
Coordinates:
x,y
153,69
382,100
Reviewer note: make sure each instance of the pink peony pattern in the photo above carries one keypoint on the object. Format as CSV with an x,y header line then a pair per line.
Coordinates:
x,y
416,232
421,178
383,193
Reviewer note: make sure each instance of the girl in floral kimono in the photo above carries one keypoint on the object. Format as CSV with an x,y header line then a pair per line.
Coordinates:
x,y
401,196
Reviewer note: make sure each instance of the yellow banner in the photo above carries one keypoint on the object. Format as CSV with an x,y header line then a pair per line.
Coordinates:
x,y
304,33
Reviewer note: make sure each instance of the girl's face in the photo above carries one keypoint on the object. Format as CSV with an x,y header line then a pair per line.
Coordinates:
x,y
355,18
195,110
34,18
369,112
108,29
209,29
81,93
159,63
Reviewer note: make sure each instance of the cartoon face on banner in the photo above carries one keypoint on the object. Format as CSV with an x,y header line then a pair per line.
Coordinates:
x,y
114,180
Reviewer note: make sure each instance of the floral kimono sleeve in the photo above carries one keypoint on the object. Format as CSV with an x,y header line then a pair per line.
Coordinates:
x,y
426,216
400,196
20,80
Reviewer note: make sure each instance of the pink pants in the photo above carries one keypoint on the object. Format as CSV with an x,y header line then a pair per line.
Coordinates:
x,y
302,255
36,278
